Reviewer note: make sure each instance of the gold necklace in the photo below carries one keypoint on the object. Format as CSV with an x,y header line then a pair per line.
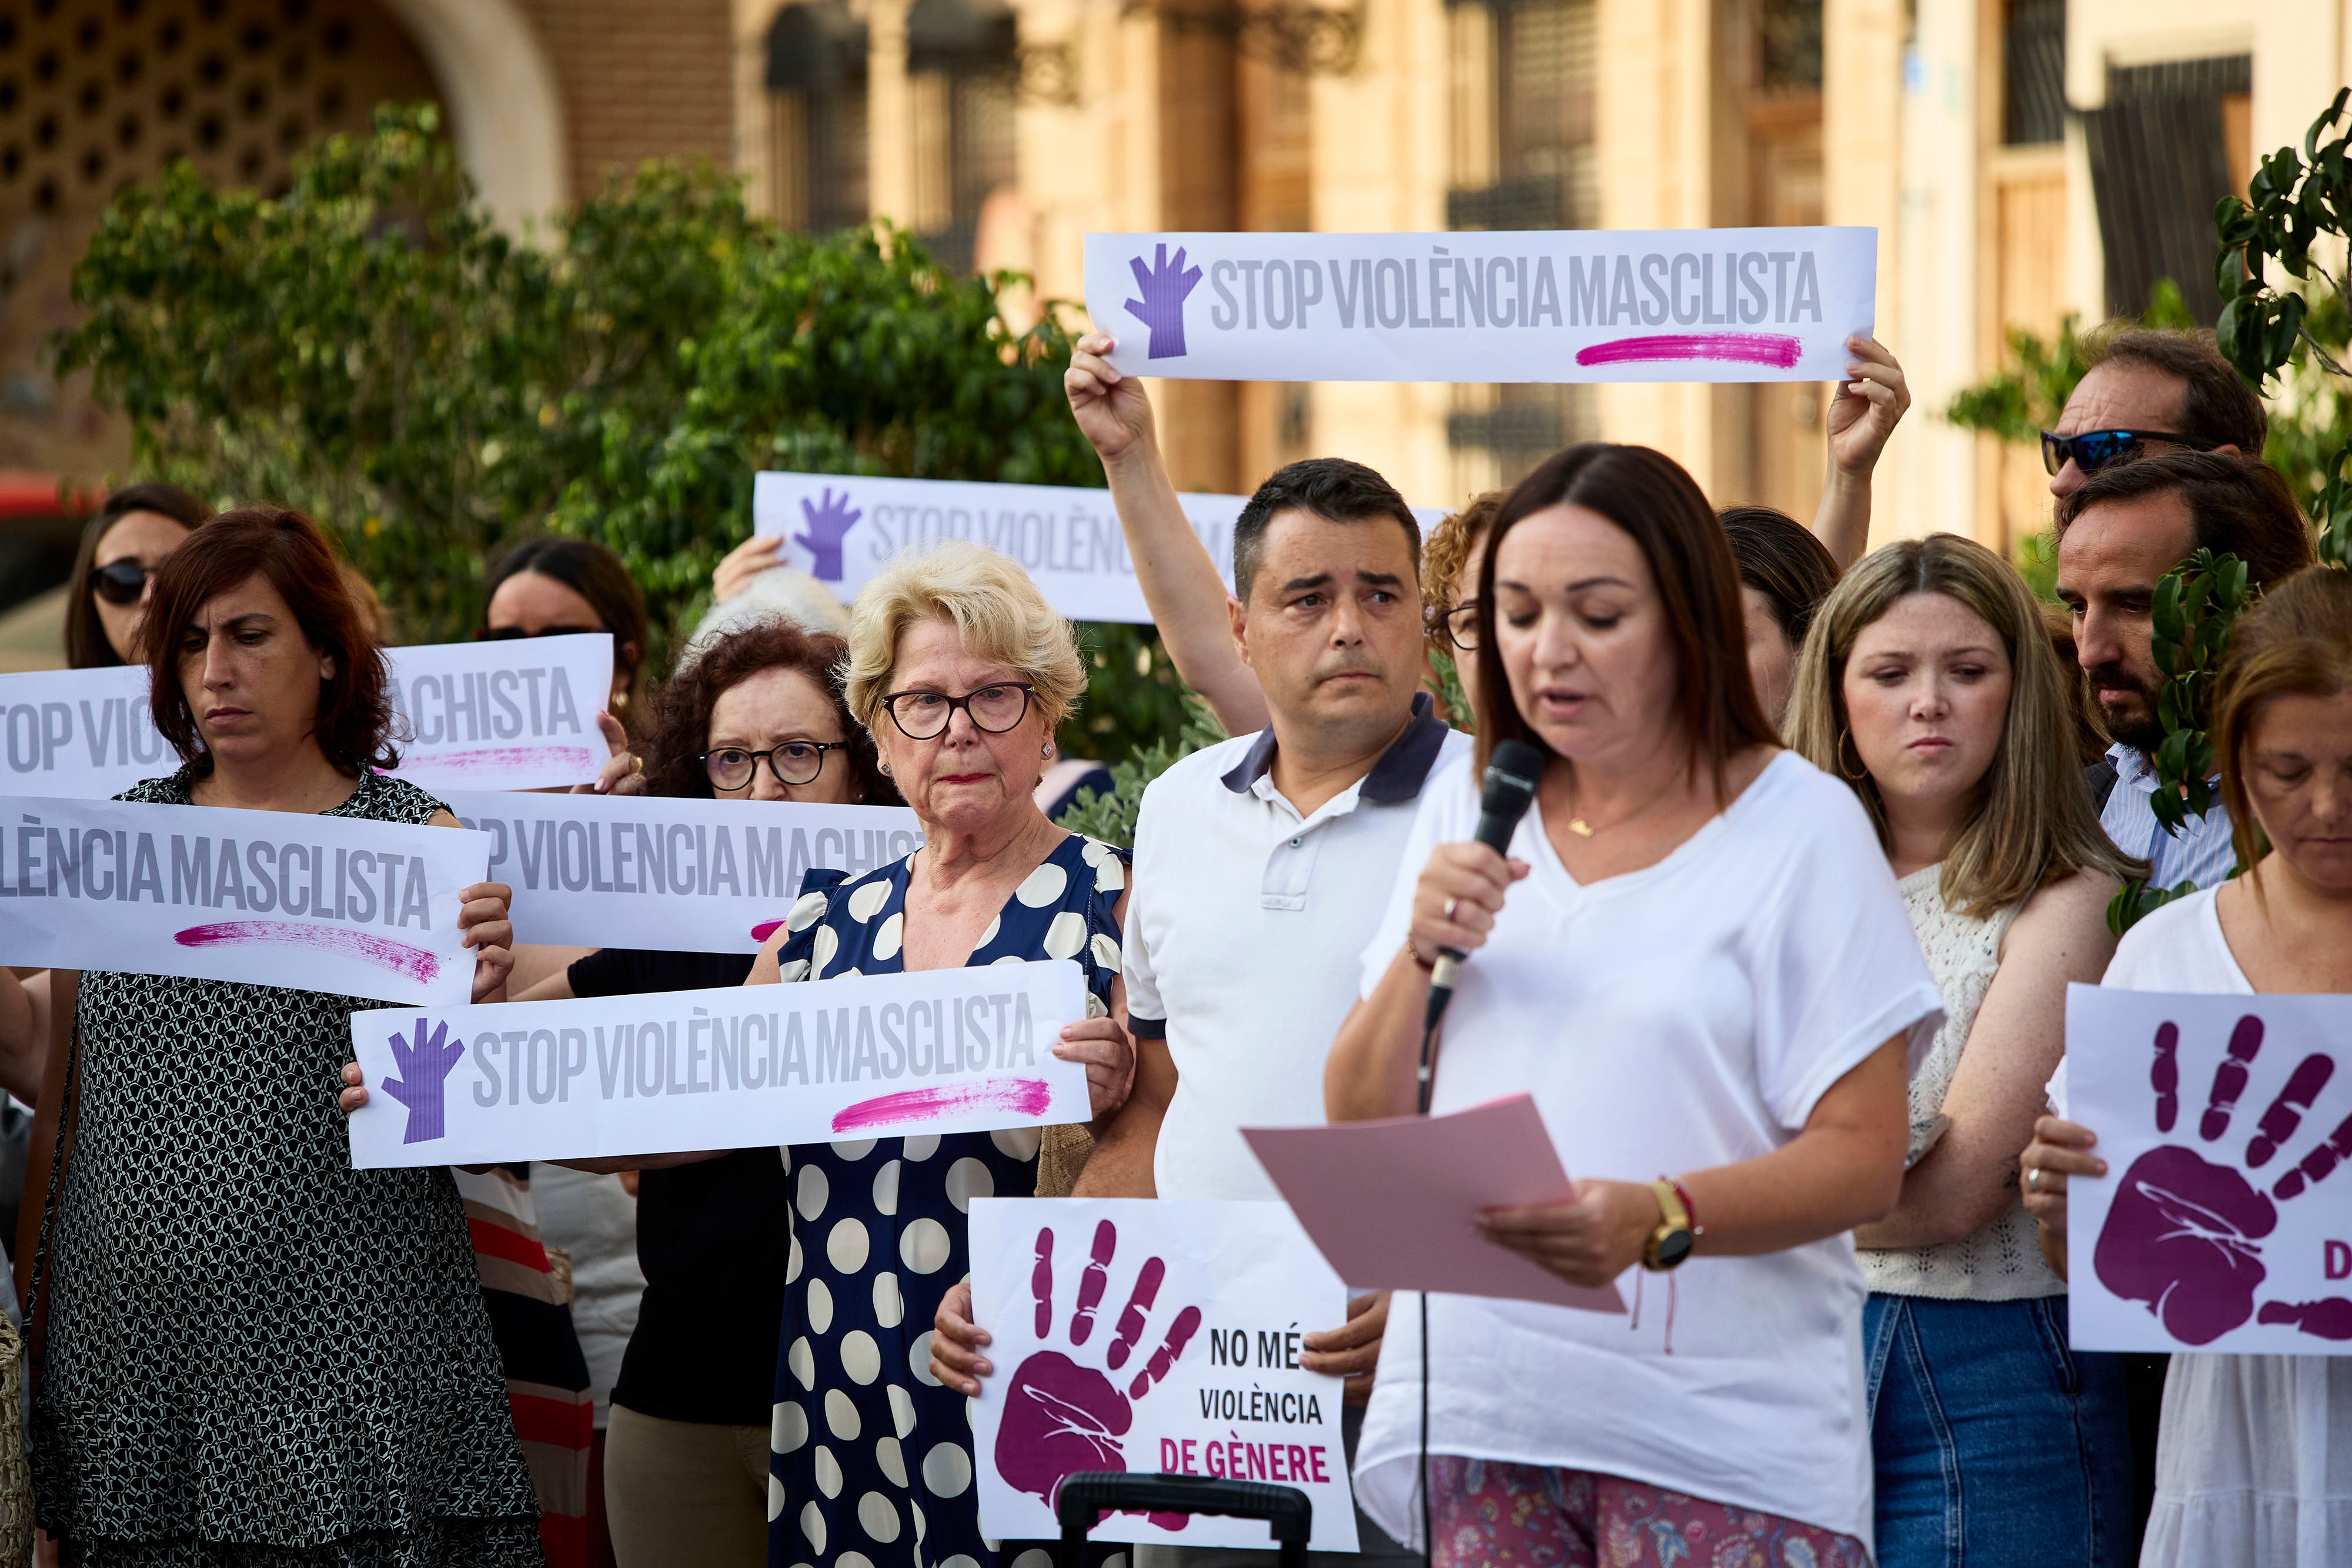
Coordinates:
x,y
1584,830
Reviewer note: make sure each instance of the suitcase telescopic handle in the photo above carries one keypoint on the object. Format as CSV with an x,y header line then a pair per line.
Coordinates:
x,y
1087,1496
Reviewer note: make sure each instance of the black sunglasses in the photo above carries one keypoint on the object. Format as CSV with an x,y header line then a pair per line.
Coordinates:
x,y
508,633
2095,449
121,581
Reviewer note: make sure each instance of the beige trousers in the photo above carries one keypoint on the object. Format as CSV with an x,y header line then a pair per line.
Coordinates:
x,y
685,1494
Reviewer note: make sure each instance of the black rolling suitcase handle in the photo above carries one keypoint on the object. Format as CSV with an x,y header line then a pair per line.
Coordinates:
x,y
1087,1495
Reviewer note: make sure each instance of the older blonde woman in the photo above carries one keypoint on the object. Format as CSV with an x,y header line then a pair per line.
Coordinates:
x,y
961,672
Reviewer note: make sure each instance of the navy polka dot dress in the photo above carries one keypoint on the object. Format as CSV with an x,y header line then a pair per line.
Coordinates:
x,y
871,1464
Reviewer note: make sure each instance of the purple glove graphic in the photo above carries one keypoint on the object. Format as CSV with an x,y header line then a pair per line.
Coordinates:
x,y
425,1065
1061,1418
1165,286
2183,1232
828,521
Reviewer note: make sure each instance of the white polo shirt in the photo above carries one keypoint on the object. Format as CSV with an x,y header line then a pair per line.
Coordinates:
x,y
1244,930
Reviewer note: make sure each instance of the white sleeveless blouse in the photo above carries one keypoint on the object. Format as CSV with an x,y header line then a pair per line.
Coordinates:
x,y
2002,1262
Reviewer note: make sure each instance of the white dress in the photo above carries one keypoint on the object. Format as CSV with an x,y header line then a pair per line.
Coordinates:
x,y
2253,1460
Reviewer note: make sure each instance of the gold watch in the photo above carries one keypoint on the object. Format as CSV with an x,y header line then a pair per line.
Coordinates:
x,y
1670,1244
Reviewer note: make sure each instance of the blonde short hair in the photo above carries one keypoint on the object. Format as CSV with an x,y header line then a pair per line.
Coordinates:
x,y
995,608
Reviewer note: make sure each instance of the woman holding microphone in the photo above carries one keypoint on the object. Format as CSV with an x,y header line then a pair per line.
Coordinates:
x,y
1696,962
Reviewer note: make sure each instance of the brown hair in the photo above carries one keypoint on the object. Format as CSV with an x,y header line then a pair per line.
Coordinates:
x,y
2032,821
1442,553
1780,558
2295,641
681,731
1649,495
594,572
354,722
86,644
2236,505
2216,407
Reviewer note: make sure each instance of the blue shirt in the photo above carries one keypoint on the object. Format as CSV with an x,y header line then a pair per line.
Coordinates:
x,y
2201,852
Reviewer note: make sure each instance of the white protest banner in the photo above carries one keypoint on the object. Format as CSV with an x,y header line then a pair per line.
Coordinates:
x,y
1197,1373
841,529
1561,305
271,898
676,875
519,714
939,1050
2219,1117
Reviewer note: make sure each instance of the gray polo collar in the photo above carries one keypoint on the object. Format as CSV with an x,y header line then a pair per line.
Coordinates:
x,y
1396,777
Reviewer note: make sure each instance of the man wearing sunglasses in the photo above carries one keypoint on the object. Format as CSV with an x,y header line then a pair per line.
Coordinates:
x,y
2150,390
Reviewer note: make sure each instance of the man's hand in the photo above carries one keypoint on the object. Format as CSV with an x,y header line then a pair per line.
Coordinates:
x,y
1110,1057
488,932
1113,412
1353,1349
956,1343
1868,406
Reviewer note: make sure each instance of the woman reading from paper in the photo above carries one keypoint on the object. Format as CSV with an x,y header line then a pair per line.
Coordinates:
x,y
961,672
1932,688
2252,1457
256,1353
1696,960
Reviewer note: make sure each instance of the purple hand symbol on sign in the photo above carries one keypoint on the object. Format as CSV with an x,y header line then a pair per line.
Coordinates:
x,y
425,1065
2183,1234
1165,286
829,520
1061,1418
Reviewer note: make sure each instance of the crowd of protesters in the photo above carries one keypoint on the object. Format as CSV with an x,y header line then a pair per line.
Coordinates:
x,y
1822,838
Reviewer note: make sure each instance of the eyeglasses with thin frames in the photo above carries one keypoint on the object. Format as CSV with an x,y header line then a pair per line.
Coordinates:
x,y
993,709
1460,625
794,762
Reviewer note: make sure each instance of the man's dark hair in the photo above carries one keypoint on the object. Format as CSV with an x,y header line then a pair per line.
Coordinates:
x,y
1782,560
1330,487
2219,409
2236,505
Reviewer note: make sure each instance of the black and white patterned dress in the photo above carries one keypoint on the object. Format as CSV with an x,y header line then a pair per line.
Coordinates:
x,y
257,1355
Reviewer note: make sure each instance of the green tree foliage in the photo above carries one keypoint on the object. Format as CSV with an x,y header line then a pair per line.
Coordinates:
x,y
1111,817
371,348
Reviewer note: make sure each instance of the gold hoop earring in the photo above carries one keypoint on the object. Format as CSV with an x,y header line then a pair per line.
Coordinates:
x,y
1861,770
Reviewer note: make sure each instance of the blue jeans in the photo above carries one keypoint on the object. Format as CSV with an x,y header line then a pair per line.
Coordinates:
x,y
1995,1445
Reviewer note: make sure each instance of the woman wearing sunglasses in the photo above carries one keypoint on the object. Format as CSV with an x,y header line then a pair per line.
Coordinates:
x,y
114,570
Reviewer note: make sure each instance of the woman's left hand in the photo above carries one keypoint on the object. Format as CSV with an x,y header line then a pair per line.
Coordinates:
x,y
490,935
623,772
1589,1243
1109,1056
1867,407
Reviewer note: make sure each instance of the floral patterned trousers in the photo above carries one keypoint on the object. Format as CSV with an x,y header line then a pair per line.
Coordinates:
x,y
1489,1513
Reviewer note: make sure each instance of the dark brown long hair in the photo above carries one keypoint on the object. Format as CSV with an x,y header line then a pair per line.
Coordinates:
x,y
354,724
594,572
86,644
1649,495
681,731
2295,641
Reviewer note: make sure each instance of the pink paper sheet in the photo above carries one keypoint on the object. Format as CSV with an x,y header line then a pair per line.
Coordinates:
x,y
1391,1204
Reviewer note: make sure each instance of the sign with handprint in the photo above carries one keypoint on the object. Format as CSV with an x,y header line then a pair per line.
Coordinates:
x,y
337,905
863,1056
1153,1336
519,714
2223,1223
1563,305
845,528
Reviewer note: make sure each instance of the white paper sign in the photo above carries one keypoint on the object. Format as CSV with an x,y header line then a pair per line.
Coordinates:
x,y
1153,1336
513,715
676,875
842,529
2224,1223
271,898
1564,304
939,1050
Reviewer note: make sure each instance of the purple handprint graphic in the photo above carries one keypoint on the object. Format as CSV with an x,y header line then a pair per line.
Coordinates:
x,y
1166,286
1061,1418
2183,1234
424,1063
829,519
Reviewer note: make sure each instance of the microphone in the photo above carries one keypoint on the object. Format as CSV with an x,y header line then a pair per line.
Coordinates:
x,y
1509,789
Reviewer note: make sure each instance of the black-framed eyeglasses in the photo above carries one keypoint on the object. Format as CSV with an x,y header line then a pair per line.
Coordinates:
x,y
121,581
924,716
2095,449
1459,626
731,767
508,633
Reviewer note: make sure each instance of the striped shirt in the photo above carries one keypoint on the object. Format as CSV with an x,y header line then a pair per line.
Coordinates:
x,y
2201,852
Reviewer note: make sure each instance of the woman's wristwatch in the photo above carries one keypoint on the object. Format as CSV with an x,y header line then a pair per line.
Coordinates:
x,y
1678,1230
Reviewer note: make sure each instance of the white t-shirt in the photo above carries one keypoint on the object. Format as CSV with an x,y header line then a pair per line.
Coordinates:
x,y
1670,1019
2253,1454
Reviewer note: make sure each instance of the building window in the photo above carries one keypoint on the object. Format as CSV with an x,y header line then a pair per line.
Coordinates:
x,y
963,73
2160,159
1789,46
816,101
2033,73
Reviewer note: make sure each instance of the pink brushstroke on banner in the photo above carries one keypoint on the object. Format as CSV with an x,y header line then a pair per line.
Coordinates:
x,y
1732,348
400,958
766,929
1020,1096
497,759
